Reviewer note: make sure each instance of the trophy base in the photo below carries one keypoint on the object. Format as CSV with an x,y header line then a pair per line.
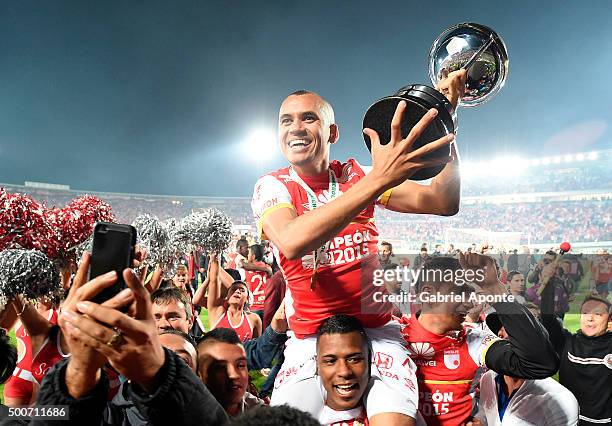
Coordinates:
x,y
419,99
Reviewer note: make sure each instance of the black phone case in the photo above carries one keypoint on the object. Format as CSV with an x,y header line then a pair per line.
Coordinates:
x,y
113,250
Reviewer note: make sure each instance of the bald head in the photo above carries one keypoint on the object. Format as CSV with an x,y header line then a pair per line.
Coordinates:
x,y
325,108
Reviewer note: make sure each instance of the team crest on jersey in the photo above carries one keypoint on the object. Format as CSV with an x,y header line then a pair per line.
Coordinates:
x,y
451,358
608,361
383,360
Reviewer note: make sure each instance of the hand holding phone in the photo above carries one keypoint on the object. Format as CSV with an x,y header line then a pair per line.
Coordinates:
x,y
113,250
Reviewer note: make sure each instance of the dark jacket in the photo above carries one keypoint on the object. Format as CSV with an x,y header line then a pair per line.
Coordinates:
x,y
528,353
586,365
262,351
181,399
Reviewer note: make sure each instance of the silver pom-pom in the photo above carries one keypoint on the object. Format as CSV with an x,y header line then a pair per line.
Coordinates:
x,y
175,248
154,237
216,236
81,248
30,273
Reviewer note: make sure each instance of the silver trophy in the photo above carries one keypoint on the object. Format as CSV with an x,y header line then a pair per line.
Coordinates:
x,y
473,47
480,51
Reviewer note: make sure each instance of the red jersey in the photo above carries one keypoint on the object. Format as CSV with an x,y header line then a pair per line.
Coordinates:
x,y
244,329
256,280
49,354
603,269
231,260
446,369
20,383
344,265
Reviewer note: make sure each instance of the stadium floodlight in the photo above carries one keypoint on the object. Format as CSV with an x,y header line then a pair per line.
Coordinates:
x,y
568,158
593,155
469,169
261,142
535,162
580,157
546,161
556,159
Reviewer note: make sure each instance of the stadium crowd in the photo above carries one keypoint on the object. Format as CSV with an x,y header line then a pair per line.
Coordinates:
x,y
318,310
538,222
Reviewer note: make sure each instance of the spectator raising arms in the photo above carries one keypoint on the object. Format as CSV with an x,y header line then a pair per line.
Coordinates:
x,y
230,311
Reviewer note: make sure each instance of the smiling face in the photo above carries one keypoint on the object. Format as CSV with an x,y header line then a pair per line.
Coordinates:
x,y
342,365
223,369
594,318
305,130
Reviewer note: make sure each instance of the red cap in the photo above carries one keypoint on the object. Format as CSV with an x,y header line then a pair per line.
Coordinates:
x,y
565,247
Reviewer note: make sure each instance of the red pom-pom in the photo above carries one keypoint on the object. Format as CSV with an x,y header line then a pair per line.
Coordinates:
x,y
77,220
23,225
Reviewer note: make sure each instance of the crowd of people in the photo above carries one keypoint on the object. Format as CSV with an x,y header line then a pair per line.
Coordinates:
x,y
466,344
537,223
543,221
553,177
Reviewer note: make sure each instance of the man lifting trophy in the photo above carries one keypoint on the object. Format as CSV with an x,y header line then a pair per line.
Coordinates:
x,y
474,48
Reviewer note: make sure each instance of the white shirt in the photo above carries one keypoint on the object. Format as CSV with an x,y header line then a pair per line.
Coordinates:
x,y
240,259
535,402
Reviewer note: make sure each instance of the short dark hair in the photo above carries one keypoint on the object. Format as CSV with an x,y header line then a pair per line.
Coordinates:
x,y
388,244
163,296
341,324
439,263
258,252
233,273
390,266
242,242
224,335
179,333
279,415
550,253
8,357
511,275
597,299
232,288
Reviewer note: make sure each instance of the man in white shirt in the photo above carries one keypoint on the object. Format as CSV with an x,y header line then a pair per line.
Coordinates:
x,y
506,400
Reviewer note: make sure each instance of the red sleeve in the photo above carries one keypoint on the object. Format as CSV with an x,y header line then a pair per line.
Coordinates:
x,y
275,293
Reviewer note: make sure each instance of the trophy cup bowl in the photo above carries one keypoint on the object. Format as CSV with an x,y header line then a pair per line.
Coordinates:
x,y
473,47
476,48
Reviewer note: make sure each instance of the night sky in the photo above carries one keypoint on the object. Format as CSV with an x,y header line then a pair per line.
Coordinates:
x,y
159,97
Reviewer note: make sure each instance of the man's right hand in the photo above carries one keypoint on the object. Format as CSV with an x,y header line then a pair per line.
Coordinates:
x,y
83,369
395,162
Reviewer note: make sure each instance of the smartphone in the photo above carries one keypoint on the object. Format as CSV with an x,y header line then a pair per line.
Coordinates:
x,y
113,250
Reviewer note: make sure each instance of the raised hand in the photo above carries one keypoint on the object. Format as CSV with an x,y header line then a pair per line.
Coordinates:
x,y
131,345
453,86
85,362
396,161
483,270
